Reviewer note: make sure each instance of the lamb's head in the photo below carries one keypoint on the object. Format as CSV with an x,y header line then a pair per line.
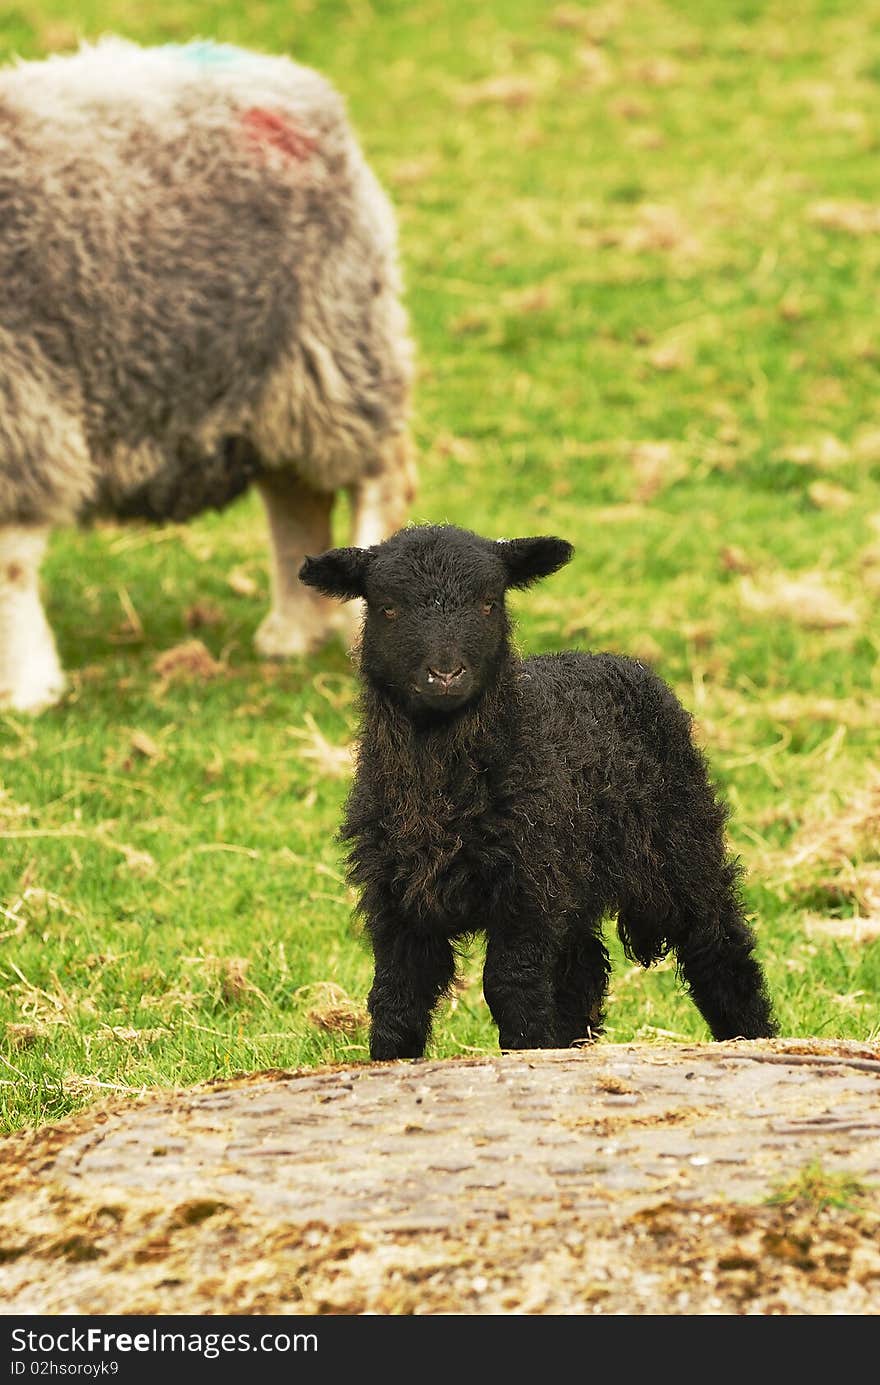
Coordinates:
x,y
436,630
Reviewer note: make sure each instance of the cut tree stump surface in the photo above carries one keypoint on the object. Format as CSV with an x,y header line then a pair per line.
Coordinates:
x,y
633,1179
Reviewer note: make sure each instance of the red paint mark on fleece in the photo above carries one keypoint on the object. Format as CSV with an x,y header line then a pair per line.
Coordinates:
x,y
268,128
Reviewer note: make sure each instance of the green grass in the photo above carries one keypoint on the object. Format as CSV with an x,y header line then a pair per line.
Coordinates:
x,y
643,283
814,1188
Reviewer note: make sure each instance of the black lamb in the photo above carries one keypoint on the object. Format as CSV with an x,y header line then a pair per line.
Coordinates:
x,y
528,799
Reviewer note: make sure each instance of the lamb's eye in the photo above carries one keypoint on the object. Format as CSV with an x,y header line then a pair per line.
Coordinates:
x,y
389,612
489,606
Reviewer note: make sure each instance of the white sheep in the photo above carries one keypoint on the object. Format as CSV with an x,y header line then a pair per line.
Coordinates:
x,y
200,292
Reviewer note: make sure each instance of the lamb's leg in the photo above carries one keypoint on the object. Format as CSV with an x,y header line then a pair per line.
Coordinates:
x,y
412,972
517,984
300,618
30,673
380,505
727,984
580,983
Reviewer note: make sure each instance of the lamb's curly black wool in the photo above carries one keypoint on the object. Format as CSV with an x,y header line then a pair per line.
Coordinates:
x,y
528,799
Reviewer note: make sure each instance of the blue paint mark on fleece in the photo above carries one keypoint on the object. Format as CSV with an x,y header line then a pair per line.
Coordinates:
x,y
206,53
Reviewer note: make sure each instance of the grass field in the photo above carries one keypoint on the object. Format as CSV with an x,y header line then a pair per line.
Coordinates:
x,y
642,250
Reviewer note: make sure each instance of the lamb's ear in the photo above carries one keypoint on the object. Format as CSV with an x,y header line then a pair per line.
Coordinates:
x,y
338,572
528,560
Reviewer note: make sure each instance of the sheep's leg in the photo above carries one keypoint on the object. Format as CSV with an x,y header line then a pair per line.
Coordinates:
x,y
300,618
30,673
380,505
517,984
580,983
726,982
692,906
412,972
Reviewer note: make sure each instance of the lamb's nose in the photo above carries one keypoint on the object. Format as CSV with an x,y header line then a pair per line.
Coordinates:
x,y
446,680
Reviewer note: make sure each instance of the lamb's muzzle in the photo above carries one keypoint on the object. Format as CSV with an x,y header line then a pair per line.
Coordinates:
x,y
446,689
446,680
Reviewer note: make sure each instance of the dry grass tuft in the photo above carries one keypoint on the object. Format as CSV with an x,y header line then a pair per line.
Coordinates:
x,y
655,72
143,744
35,905
669,357
827,496
131,1037
867,445
854,930
841,836
644,647
242,583
331,760
855,218
859,885
826,453
661,230
833,859
805,599
655,465
48,1008
135,861
203,614
594,69
407,172
869,562
735,559
459,449
570,17
538,298
597,21
77,1084
334,1010
188,662
506,89
25,1035
227,978
804,709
